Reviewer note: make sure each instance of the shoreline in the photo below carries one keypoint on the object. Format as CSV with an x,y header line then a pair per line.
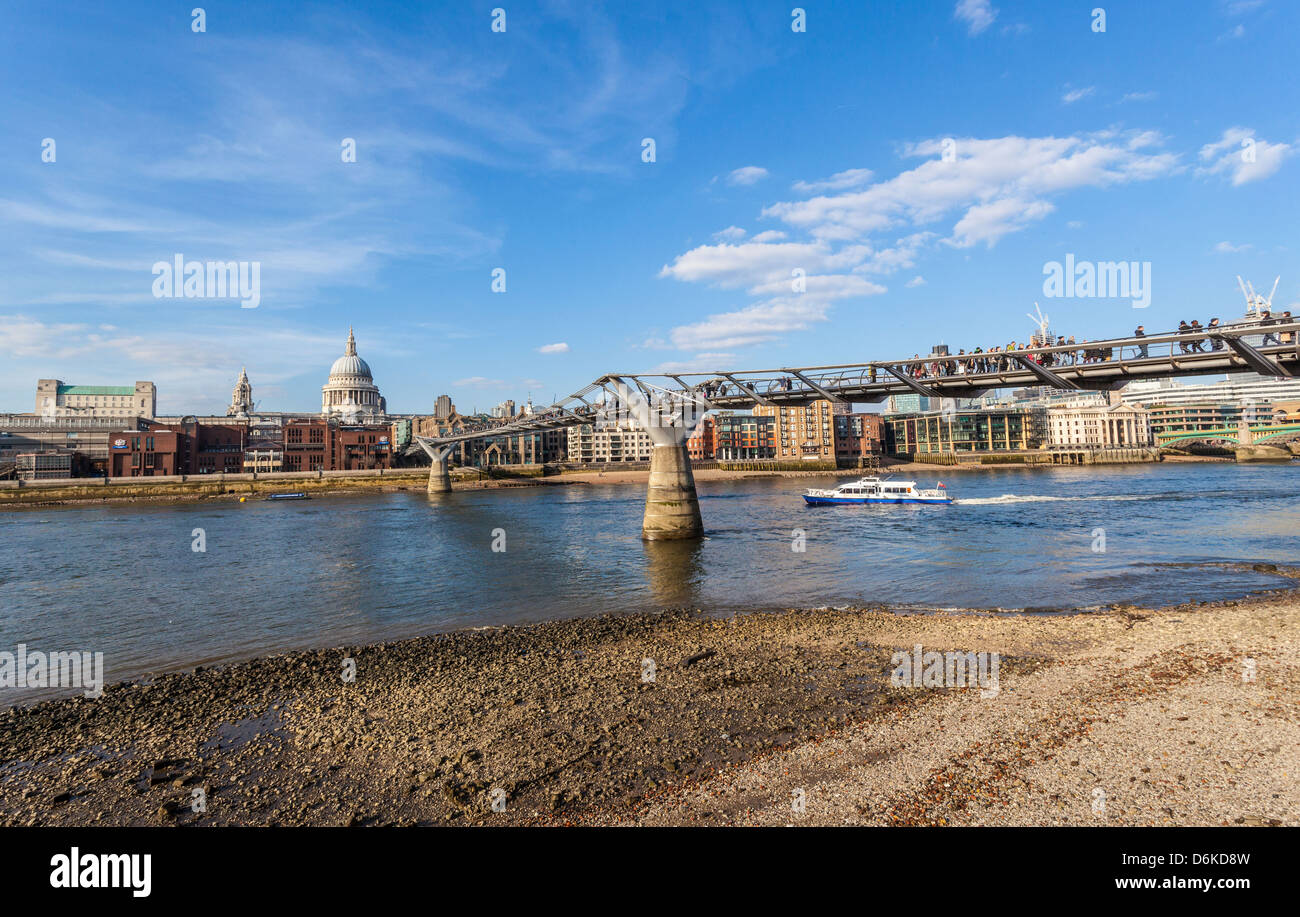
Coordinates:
x,y
197,491
1148,704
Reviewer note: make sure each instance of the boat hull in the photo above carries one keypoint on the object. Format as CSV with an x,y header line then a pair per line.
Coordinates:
x,y
834,501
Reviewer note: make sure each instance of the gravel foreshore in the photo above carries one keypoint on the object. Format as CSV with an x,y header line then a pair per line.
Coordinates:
x,y
1187,715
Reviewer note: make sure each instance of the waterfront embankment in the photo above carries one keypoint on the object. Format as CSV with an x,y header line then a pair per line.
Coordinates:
x,y
1128,716
200,488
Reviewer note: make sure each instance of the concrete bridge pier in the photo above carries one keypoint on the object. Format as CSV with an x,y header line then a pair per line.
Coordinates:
x,y
439,475
439,478
672,508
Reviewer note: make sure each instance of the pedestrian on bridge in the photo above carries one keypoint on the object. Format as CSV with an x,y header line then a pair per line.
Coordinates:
x,y
1266,318
1142,348
1197,345
1215,343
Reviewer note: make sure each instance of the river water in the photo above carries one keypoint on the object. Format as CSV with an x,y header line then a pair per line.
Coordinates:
x,y
125,580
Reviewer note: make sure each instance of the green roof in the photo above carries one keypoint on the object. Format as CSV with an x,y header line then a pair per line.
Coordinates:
x,y
96,389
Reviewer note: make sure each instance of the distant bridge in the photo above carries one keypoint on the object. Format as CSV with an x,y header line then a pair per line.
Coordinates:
x,y
668,405
1262,433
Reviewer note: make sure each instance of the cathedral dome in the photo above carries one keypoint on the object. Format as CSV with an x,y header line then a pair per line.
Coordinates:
x,y
350,365
351,391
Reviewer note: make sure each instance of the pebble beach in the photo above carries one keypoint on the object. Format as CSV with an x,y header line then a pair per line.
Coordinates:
x,y
1188,715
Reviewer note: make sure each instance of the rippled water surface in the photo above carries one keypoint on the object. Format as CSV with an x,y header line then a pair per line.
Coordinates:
x,y
123,579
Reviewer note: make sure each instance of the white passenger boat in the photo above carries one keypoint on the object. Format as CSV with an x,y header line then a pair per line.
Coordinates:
x,y
878,490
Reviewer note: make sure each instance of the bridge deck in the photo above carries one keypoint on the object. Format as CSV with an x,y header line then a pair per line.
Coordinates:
x,y
1084,366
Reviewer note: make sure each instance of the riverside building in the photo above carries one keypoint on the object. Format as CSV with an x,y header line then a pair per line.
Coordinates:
x,y
56,399
608,443
1097,426
996,430
744,437
803,432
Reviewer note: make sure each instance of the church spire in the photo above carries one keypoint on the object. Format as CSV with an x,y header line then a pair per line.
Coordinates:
x,y
352,343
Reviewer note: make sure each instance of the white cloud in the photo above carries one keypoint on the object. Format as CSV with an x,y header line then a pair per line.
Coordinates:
x,y
917,281
554,348
747,175
730,234
840,181
990,222
1242,155
770,320
900,256
1139,96
1227,248
977,14
1073,95
986,179
750,263
479,382
992,188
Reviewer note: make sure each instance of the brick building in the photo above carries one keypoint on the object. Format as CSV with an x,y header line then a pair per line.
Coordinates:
x,y
362,448
150,453
319,445
803,432
858,437
702,444
308,446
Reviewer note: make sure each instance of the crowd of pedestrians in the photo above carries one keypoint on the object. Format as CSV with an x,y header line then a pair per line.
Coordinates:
x,y
1007,357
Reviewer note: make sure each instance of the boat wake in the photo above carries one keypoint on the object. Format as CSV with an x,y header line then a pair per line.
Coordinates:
x,y
1039,498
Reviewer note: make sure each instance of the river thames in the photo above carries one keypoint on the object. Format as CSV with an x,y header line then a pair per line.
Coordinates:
x,y
125,580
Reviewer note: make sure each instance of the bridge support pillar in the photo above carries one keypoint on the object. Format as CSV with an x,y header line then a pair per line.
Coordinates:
x,y
439,477
672,509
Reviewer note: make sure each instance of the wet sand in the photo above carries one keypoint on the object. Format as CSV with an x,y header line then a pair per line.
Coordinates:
x,y
678,718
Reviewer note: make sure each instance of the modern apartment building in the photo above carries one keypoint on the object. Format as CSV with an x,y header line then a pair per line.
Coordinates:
x,y
598,444
803,432
744,437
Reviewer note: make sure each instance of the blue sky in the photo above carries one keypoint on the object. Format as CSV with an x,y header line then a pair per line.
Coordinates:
x,y
820,151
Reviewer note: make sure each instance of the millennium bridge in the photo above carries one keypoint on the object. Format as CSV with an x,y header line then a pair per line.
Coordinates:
x,y
669,405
